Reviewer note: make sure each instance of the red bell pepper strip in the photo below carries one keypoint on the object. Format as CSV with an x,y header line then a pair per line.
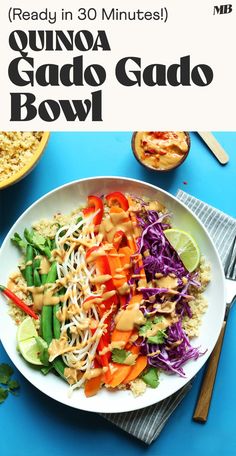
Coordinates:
x,y
98,256
117,199
95,203
102,268
87,211
17,301
104,359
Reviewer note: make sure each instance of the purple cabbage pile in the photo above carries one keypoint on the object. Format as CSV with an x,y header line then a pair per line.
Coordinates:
x,y
174,353
162,258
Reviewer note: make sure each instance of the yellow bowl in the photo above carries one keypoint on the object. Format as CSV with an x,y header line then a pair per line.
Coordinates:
x,y
30,164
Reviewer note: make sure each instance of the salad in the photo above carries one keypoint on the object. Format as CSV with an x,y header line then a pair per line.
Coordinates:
x,y
109,296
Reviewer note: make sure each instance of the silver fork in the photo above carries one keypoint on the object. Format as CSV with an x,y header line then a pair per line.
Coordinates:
x,y
204,398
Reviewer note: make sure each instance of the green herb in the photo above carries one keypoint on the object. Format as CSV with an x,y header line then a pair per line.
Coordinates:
x,y
151,377
5,373
143,329
17,240
159,338
38,238
3,395
158,319
13,385
38,241
5,379
148,325
119,355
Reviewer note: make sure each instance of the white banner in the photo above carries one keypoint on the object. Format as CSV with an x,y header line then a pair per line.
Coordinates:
x,y
102,65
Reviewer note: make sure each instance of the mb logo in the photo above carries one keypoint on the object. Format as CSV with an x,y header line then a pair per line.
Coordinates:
x,y
222,9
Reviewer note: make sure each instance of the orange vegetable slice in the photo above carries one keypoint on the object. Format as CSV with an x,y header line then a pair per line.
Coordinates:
x,y
139,366
93,385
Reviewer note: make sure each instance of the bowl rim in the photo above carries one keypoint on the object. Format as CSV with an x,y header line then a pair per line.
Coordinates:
x,y
201,360
150,168
29,165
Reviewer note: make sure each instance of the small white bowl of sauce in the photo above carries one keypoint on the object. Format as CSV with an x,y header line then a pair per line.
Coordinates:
x,y
160,150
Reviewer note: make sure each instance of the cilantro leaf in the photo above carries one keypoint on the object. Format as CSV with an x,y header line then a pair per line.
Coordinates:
x,y
151,377
5,373
119,355
3,395
148,325
158,319
38,241
13,385
159,338
5,378
143,329
17,240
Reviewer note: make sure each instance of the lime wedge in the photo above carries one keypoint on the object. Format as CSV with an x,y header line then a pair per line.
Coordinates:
x,y
185,246
26,330
27,342
29,349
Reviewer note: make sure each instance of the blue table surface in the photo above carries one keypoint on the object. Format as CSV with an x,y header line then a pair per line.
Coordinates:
x,y
32,423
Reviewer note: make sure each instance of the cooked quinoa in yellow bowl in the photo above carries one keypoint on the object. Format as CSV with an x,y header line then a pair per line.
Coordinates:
x,y
19,153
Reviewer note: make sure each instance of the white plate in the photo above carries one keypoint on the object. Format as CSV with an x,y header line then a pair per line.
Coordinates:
x,y
65,199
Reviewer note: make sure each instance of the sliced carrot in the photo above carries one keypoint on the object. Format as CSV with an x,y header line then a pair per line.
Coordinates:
x,y
121,336
121,371
118,277
132,244
93,385
135,349
119,236
139,366
136,299
125,259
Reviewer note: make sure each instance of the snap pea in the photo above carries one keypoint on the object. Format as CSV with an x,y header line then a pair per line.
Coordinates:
x,y
46,369
59,366
44,278
47,311
37,280
29,265
52,273
56,322
47,326
53,244
36,263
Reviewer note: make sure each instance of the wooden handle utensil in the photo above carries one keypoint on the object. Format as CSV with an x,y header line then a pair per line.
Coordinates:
x,y
214,146
204,398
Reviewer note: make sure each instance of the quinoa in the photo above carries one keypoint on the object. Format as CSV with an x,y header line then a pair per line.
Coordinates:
x,y
138,387
17,284
48,228
199,305
16,150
